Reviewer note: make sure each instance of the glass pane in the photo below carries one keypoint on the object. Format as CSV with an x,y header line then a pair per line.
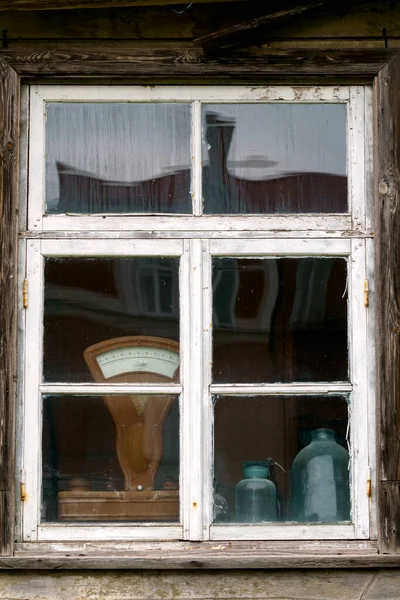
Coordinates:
x,y
111,319
274,158
117,158
279,319
289,454
110,459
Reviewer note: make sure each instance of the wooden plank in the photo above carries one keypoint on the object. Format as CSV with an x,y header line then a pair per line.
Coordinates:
x,y
9,176
182,60
23,5
275,547
194,561
387,222
353,26
252,24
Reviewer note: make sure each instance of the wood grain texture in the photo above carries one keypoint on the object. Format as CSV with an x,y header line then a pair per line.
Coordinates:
x,y
9,175
387,219
77,4
252,24
183,60
354,24
196,563
201,585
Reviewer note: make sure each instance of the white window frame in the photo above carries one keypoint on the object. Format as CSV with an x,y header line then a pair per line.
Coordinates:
x,y
196,239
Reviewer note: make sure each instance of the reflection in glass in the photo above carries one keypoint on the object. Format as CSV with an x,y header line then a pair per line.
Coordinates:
x,y
117,157
92,301
270,431
111,459
274,158
280,319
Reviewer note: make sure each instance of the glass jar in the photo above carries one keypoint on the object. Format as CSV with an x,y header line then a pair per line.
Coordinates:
x,y
320,490
255,494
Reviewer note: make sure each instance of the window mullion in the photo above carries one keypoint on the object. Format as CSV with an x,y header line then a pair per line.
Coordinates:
x,y
191,424
196,159
32,396
356,161
359,403
208,449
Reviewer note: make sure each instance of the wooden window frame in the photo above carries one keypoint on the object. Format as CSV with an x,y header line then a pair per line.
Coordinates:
x,y
196,239
380,67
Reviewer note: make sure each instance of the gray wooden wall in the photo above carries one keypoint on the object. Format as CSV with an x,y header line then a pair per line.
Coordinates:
x,y
382,584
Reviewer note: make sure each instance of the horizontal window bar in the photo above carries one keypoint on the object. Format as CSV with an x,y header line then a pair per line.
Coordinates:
x,y
220,223
107,531
290,247
282,388
236,94
117,247
109,389
282,532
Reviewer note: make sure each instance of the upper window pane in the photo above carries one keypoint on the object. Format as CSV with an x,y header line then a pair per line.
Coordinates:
x,y
111,319
274,158
279,319
118,158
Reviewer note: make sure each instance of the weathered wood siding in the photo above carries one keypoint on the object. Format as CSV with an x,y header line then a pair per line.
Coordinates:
x,y
387,209
216,585
9,177
362,25
346,28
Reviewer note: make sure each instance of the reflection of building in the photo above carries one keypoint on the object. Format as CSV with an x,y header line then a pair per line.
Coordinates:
x,y
294,192
82,192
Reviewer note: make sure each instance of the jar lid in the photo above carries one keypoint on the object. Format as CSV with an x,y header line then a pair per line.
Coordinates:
x,y
256,468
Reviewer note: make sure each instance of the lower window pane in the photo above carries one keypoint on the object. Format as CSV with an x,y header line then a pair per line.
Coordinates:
x,y
281,458
111,459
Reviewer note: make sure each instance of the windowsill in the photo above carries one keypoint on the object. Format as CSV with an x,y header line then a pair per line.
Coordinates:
x,y
196,555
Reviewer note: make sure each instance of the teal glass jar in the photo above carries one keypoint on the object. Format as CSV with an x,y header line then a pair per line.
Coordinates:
x,y
320,491
255,495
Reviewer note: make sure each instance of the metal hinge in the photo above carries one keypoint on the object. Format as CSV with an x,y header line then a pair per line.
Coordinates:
x,y
25,293
366,292
369,482
22,490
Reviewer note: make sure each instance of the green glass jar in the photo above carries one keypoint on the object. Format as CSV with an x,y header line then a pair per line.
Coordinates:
x,y
255,495
320,491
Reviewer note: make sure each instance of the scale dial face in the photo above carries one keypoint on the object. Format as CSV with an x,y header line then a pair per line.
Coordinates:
x,y
138,358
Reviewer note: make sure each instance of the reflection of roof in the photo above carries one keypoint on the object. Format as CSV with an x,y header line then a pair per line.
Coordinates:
x,y
82,192
223,193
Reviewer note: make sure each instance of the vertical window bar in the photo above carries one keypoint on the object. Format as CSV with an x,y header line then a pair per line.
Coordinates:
x,y
356,161
36,159
32,404
185,368
193,424
359,398
197,199
208,453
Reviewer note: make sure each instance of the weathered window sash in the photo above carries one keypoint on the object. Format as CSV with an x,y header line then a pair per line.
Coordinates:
x,y
196,241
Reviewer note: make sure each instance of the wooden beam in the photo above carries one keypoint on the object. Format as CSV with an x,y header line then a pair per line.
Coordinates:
x,y
180,61
9,179
80,4
259,21
387,286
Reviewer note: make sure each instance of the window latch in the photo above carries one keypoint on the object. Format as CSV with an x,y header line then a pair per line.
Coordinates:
x,y
366,293
22,490
25,293
369,482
